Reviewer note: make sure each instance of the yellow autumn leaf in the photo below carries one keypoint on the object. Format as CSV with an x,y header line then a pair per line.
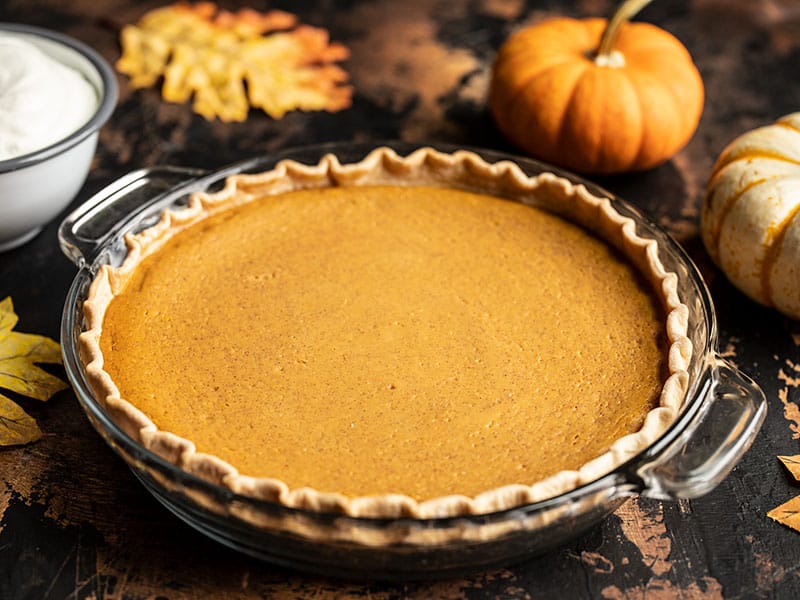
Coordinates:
x,y
16,426
787,513
19,355
228,62
792,464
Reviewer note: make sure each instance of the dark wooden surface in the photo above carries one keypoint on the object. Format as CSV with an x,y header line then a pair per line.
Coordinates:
x,y
75,524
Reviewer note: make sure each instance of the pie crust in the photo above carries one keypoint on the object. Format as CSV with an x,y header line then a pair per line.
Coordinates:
x,y
460,170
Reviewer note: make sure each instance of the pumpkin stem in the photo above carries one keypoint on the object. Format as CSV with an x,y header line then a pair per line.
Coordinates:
x,y
606,55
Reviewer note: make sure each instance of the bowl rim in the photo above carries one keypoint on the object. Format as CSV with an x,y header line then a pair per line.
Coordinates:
x,y
107,96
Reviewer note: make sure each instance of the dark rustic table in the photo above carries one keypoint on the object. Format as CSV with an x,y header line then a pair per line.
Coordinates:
x,y
74,523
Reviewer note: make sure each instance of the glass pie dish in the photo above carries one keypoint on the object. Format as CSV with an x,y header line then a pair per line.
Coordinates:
x,y
721,414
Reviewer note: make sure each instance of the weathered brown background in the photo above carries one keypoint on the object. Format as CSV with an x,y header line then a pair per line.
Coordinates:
x,y
75,524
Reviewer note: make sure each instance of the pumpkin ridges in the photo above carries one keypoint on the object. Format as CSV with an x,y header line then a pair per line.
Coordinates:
x,y
792,121
716,231
784,282
665,60
731,180
526,63
771,254
502,99
726,160
688,98
631,40
529,56
525,56
750,228
548,72
788,125
656,141
659,59
524,124
778,142
530,51
612,161
585,136
559,33
655,58
765,154
641,148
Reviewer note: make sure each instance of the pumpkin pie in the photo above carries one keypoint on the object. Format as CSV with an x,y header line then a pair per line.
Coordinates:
x,y
429,335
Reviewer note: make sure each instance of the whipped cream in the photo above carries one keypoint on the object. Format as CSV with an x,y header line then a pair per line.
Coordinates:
x,y
42,100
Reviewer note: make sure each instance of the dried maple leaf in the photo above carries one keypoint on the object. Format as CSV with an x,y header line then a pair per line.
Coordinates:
x,y
19,353
229,62
792,463
787,513
16,426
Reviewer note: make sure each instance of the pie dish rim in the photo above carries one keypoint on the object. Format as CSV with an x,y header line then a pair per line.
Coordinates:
x,y
182,453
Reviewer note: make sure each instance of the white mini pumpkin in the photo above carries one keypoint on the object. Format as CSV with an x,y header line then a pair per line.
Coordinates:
x,y
750,220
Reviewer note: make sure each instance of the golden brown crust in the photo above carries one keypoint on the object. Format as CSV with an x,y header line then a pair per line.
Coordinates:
x,y
461,169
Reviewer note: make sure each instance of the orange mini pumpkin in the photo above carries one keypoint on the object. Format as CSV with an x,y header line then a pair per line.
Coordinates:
x,y
596,96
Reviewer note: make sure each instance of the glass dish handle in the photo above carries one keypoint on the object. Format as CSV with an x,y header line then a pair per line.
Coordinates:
x,y
86,228
722,431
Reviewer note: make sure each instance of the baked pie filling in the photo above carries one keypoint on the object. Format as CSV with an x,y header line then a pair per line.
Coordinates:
x,y
391,337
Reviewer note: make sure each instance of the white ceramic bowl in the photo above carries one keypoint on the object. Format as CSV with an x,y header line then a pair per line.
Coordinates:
x,y
36,187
